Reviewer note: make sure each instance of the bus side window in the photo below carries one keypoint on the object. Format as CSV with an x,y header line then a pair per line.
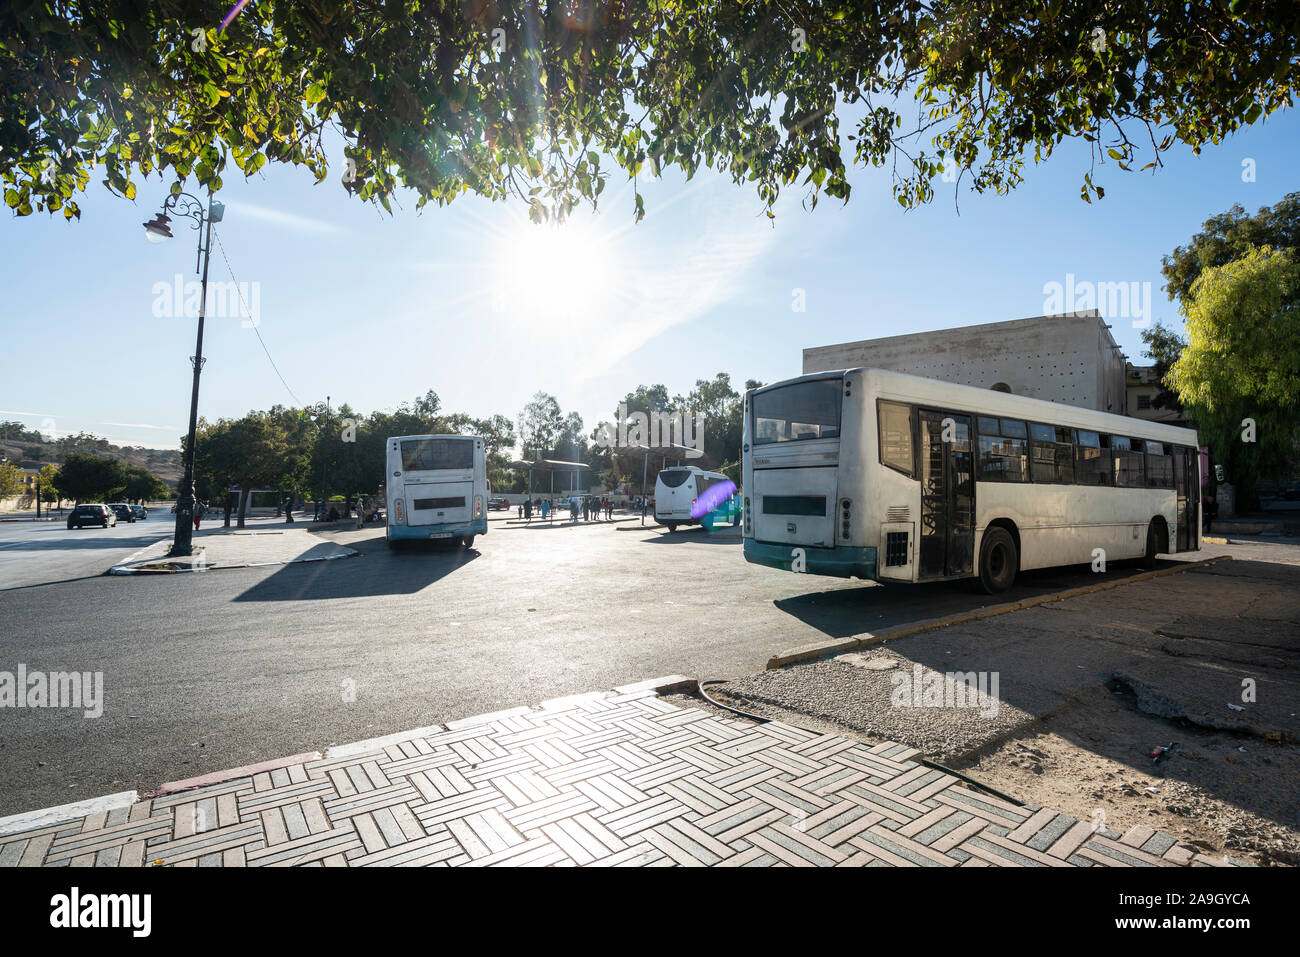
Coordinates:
x,y
1004,454
1091,458
1051,453
1127,462
1160,466
895,422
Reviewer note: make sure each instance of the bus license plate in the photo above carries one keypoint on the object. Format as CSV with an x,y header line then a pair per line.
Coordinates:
x,y
440,534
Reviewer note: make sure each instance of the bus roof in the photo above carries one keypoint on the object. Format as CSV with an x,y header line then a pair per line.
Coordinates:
x,y
967,398
403,438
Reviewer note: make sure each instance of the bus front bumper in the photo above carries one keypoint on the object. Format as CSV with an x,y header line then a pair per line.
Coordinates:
x,y
841,561
435,532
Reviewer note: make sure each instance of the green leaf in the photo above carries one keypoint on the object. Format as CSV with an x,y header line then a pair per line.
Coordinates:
x,y
315,93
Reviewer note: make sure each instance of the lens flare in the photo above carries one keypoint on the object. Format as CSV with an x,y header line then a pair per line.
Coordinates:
x,y
713,497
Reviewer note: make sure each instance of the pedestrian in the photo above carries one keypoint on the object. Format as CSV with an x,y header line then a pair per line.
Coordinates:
x,y
586,509
198,517
361,511
1210,511
546,508
521,509
609,509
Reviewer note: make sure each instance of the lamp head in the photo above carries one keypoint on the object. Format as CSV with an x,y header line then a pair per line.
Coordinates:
x,y
157,229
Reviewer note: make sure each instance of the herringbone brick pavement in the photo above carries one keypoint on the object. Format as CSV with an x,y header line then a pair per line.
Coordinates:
x,y
612,779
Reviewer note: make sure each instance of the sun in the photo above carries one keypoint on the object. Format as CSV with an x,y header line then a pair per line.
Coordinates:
x,y
557,273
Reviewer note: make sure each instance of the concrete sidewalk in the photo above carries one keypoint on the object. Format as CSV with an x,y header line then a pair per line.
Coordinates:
x,y
271,544
618,778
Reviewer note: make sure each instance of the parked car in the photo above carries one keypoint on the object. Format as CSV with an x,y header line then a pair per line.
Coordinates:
x,y
95,513
123,511
498,504
140,512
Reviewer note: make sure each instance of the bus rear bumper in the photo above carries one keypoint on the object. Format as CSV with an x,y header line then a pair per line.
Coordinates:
x,y
842,561
426,532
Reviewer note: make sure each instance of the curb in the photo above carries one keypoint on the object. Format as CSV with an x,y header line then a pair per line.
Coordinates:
x,y
30,820
826,649
217,777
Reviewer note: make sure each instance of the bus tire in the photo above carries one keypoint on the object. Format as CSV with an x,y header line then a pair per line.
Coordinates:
x,y
998,561
671,526
1148,559
467,541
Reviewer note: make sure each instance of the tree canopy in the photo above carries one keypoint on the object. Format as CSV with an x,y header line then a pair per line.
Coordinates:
x,y
84,477
542,99
1229,236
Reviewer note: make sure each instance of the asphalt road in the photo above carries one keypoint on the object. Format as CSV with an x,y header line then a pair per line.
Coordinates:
x,y
204,672
34,553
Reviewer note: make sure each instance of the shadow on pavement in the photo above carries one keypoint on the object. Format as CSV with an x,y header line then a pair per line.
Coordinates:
x,y
378,571
843,612
694,533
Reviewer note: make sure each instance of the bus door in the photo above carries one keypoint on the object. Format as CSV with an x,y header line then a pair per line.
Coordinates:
x,y
1187,482
947,546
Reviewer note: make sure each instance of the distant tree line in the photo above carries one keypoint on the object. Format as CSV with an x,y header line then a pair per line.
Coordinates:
x,y
85,478
338,452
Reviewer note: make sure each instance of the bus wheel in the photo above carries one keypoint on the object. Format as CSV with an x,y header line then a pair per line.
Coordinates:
x,y
1153,547
467,541
998,561
672,526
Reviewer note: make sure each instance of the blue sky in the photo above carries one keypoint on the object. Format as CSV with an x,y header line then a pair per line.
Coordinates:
x,y
484,308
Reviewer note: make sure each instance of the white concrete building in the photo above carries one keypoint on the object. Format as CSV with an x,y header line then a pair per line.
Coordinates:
x,y
1072,358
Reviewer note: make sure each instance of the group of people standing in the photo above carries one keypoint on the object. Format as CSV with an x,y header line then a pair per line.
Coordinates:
x,y
590,508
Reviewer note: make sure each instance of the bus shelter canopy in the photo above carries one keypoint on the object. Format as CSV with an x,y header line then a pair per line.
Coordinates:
x,y
550,465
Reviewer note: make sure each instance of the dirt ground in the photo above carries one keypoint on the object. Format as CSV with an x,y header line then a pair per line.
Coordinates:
x,y
1224,793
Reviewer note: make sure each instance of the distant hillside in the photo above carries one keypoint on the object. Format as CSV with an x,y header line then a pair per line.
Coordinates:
x,y
18,443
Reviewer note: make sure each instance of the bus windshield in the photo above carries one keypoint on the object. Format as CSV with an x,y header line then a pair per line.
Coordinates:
x,y
804,410
428,455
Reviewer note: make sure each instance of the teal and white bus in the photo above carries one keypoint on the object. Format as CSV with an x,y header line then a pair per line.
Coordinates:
x,y
437,489
872,474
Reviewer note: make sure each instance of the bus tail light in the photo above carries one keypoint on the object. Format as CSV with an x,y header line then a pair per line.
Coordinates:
x,y
399,511
745,509
846,524
478,506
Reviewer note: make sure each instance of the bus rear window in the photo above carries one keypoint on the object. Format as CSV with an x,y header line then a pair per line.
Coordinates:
x,y
673,478
793,413
427,455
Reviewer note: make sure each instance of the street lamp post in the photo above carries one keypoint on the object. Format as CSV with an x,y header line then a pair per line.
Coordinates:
x,y
158,230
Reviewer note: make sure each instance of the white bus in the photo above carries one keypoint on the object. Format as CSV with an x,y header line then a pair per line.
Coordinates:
x,y
437,488
878,475
687,495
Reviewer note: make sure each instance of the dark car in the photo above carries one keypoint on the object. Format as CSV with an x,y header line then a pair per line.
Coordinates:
x,y
93,514
498,504
140,511
123,512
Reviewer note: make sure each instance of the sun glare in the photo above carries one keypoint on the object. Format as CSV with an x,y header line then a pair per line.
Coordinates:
x,y
557,273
